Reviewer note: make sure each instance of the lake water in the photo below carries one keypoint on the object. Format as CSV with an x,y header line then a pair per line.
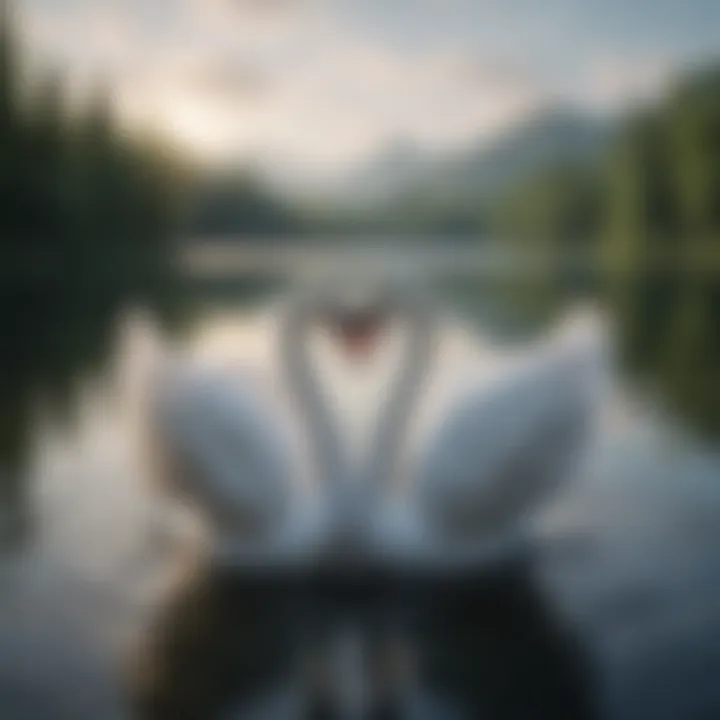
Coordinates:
x,y
627,555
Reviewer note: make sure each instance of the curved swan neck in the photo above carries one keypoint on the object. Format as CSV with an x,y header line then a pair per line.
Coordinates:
x,y
351,499
395,416
312,404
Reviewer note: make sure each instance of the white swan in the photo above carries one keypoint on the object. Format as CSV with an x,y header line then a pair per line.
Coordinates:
x,y
495,451
227,446
492,456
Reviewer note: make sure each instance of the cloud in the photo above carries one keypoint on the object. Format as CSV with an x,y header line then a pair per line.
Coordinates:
x,y
261,11
329,99
324,82
202,80
314,90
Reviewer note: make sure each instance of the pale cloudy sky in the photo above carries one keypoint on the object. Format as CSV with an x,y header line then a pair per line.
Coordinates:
x,y
318,84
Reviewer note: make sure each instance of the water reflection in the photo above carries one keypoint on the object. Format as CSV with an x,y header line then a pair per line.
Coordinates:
x,y
455,648
493,646
223,640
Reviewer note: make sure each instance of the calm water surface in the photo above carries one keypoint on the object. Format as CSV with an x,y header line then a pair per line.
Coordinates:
x,y
628,555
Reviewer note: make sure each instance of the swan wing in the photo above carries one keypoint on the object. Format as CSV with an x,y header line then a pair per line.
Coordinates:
x,y
226,448
501,450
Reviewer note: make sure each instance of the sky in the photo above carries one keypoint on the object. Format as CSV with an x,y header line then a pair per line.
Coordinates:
x,y
318,86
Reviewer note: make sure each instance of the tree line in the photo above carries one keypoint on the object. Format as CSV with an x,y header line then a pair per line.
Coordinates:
x,y
648,219
88,213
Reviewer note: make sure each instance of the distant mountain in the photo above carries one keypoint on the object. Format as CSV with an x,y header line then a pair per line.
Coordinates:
x,y
403,172
394,169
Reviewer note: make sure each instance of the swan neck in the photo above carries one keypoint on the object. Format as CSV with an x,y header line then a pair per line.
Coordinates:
x,y
311,402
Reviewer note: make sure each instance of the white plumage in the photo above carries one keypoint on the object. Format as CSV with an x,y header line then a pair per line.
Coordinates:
x,y
229,450
490,457
500,450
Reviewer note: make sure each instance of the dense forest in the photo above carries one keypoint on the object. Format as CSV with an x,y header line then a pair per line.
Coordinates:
x,y
647,216
663,243
87,217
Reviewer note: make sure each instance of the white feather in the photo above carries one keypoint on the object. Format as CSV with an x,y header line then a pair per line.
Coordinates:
x,y
227,447
501,450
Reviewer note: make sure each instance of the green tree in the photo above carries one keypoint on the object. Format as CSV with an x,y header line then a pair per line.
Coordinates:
x,y
87,220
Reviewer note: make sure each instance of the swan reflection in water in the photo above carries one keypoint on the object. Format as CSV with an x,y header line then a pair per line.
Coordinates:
x,y
400,586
